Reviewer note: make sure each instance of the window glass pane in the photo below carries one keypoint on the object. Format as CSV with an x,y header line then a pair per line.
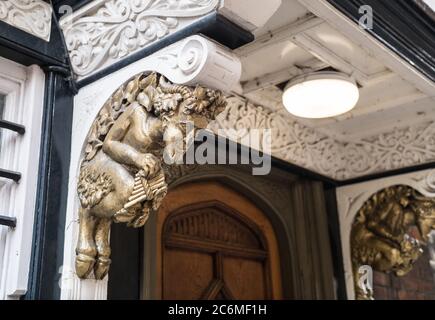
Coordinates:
x,y
2,107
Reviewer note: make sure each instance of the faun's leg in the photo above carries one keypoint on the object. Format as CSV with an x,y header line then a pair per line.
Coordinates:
x,y
103,246
86,249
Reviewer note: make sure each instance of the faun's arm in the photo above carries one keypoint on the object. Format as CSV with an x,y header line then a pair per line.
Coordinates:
x,y
118,151
382,225
381,230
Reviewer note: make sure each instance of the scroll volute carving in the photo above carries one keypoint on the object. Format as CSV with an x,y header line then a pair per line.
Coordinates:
x,y
380,234
122,177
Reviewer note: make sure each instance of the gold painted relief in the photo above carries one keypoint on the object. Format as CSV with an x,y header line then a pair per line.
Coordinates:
x,y
122,178
380,235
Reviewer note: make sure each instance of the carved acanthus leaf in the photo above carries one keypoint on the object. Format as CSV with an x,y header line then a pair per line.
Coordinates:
x,y
32,16
119,27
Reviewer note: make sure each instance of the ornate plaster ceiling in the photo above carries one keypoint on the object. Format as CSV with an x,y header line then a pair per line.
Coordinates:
x,y
393,125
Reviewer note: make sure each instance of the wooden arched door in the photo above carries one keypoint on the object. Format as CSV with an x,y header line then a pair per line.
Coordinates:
x,y
215,244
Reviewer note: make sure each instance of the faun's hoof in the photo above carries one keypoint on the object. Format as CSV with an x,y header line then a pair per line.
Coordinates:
x,y
140,221
84,265
102,268
124,216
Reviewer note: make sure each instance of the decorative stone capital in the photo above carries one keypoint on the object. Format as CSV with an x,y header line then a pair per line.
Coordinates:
x,y
32,16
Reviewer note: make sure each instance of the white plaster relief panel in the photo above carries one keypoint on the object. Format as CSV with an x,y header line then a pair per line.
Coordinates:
x,y
32,16
106,31
304,146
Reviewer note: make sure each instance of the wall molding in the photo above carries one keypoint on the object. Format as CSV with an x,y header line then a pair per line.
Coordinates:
x,y
106,31
341,160
31,16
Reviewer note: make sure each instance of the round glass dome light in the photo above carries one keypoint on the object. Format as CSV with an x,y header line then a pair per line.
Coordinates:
x,y
321,94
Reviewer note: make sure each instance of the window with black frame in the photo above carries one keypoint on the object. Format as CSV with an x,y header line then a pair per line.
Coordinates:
x,y
21,108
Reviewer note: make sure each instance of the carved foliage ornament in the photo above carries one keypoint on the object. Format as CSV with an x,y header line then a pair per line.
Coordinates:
x,y
123,177
380,234
299,144
33,16
290,140
120,27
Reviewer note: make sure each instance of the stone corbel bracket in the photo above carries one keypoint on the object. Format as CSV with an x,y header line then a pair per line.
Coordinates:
x,y
194,60
199,60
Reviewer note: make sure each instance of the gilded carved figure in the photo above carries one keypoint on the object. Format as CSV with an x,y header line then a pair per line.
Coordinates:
x,y
380,237
122,176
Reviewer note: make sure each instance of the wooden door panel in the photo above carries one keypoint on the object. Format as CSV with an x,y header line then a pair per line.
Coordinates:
x,y
245,278
215,244
187,274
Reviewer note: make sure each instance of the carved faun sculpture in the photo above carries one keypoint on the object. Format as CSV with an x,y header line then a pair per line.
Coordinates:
x,y
380,236
121,176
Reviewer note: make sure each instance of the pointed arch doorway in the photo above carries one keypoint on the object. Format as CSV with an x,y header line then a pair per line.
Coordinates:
x,y
213,243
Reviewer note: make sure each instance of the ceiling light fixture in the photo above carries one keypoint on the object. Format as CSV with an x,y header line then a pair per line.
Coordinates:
x,y
321,94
